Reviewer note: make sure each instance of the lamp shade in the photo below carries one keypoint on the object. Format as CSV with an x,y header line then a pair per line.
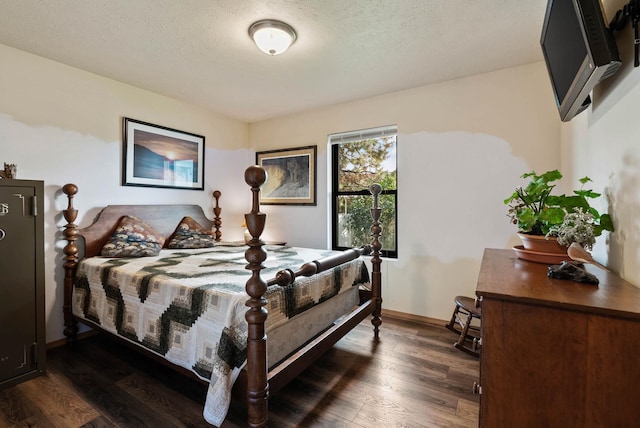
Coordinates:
x,y
272,37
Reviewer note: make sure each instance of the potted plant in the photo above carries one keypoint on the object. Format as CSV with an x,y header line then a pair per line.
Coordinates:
x,y
540,216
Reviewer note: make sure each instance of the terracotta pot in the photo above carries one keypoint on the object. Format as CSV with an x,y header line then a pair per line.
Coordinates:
x,y
541,244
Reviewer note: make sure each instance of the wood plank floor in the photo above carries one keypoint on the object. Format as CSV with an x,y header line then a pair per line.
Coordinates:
x,y
413,377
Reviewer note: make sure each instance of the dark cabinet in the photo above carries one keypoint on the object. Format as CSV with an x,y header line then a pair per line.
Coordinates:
x,y
22,324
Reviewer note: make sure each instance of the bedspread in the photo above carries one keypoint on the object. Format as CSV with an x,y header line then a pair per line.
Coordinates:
x,y
189,305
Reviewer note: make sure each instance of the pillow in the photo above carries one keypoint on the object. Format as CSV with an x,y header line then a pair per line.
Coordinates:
x,y
133,238
190,234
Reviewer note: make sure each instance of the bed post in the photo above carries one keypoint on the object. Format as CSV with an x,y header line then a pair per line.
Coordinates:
x,y
376,279
217,221
70,260
257,385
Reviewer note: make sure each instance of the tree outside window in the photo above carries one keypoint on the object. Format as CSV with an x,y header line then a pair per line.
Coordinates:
x,y
357,164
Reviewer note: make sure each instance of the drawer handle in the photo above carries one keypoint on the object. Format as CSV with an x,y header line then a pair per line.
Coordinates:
x,y
2,234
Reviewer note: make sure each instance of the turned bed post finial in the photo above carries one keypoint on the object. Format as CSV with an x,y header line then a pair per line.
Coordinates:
x,y
257,385
376,278
217,220
70,259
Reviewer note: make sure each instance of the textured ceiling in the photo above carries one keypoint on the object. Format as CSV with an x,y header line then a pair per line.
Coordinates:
x,y
199,50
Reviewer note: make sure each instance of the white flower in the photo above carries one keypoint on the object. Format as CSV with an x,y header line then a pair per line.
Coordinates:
x,y
576,227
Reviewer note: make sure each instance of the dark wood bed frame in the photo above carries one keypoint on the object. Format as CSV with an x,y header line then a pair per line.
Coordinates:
x,y
257,381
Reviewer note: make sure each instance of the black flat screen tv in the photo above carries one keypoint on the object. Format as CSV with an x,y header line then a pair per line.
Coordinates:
x,y
579,50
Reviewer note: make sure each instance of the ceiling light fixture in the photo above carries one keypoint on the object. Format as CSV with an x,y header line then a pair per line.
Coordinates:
x,y
272,37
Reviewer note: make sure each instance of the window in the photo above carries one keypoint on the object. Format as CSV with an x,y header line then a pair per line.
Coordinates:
x,y
359,159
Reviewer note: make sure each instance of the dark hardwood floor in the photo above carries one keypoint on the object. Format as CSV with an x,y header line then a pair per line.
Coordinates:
x,y
413,377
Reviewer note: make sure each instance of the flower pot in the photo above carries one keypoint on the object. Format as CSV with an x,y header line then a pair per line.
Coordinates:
x,y
541,244
537,248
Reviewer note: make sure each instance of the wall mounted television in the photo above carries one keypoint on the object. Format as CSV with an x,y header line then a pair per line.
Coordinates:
x,y
579,50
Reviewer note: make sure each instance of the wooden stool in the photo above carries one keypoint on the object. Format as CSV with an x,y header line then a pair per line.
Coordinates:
x,y
469,335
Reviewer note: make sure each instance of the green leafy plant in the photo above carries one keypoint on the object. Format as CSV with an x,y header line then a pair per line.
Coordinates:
x,y
536,211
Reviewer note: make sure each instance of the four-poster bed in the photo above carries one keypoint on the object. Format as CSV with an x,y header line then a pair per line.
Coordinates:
x,y
154,305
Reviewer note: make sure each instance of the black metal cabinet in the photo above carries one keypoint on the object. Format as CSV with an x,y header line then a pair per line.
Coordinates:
x,y
22,323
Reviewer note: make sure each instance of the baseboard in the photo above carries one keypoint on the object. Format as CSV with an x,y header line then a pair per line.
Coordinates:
x,y
411,317
79,336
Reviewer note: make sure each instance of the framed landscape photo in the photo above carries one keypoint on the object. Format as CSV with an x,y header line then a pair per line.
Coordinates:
x,y
291,176
156,156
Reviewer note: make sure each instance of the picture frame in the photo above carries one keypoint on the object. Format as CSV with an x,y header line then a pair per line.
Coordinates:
x,y
291,176
157,156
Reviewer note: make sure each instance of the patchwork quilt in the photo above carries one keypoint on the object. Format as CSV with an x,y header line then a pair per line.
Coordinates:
x,y
189,305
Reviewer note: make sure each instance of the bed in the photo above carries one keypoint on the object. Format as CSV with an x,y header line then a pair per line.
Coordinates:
x,y
187,304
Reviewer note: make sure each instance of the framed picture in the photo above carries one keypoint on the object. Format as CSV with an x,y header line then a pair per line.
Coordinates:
x,y
291,176
156,156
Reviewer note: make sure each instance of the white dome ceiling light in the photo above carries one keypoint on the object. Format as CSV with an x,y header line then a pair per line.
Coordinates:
x,y
272,37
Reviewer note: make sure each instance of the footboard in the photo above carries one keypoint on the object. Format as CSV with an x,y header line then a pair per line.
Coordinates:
x,y
258,378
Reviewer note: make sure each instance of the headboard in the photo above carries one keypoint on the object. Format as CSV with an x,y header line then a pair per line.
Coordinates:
x,y
163,218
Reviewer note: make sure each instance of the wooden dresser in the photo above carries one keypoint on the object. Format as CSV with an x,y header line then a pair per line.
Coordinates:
x,y
556,353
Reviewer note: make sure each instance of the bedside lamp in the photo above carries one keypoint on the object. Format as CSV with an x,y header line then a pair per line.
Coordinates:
x,y
247,234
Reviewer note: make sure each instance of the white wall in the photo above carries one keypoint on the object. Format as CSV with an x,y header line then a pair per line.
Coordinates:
x,y
462,146
603,144
61,125
606,148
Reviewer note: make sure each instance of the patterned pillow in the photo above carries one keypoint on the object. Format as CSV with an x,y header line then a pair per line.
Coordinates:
x,y
190,234
133,238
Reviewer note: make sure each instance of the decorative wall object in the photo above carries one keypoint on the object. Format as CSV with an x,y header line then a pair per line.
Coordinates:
x,y
291,176
156,156
10,171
